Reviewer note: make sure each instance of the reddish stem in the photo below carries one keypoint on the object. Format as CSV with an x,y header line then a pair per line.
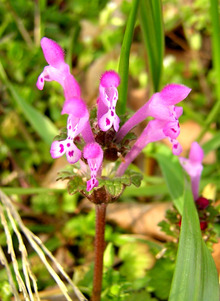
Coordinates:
x,y
99,250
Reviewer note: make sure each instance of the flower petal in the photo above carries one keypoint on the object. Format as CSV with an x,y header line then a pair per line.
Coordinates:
x,y
107,103
193,166
94,155
50,73
174,93
178,111
73,154
172,129
53,53
75,107
40,82
116,123
196,153
93,182
105,122
177,148
58,149
110,79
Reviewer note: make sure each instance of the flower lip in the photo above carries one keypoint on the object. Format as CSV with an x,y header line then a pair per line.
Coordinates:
x,y
110,78
75,107
94,155
174,93
53,53
92,150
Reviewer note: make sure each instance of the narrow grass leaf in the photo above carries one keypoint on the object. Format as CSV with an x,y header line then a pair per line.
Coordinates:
x,y
151,21
29,190
173,175
195,276
215,20
123,68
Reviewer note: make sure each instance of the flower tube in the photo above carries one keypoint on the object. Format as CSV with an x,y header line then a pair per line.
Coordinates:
x,y
161,106
155,130
193,166
57,69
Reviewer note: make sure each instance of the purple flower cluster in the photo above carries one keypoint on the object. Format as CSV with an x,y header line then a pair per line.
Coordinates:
x,y
161,106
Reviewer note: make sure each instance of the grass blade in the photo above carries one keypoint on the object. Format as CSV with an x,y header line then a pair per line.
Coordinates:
x,y
123,68
215,20
195,276
173,174
152,28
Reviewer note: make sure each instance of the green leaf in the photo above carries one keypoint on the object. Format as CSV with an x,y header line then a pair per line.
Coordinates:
x,y
115,186
123,69
149,190
31,190
136,178
160,278
136,260
76,184
109,255
40,123
215,20
173,174
152,28
195,277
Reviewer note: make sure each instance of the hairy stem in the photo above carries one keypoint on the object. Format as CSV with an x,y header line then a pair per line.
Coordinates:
x,y
99,250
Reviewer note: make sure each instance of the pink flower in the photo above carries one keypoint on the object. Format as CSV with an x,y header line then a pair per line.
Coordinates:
x,y
160,106
77,107
108,96
193,166
94,155
77,120
57,69
155,130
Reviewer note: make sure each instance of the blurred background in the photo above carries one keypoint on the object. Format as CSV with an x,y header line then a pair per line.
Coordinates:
x,y
91,33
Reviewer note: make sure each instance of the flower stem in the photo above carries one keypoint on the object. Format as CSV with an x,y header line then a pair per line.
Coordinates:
x,y
99,251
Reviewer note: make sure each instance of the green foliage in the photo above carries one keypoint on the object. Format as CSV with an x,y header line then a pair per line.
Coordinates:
x,y
160,278
172,173
114,186
80,226
152,29
136,260
109,256
124,57
195,268
45,203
